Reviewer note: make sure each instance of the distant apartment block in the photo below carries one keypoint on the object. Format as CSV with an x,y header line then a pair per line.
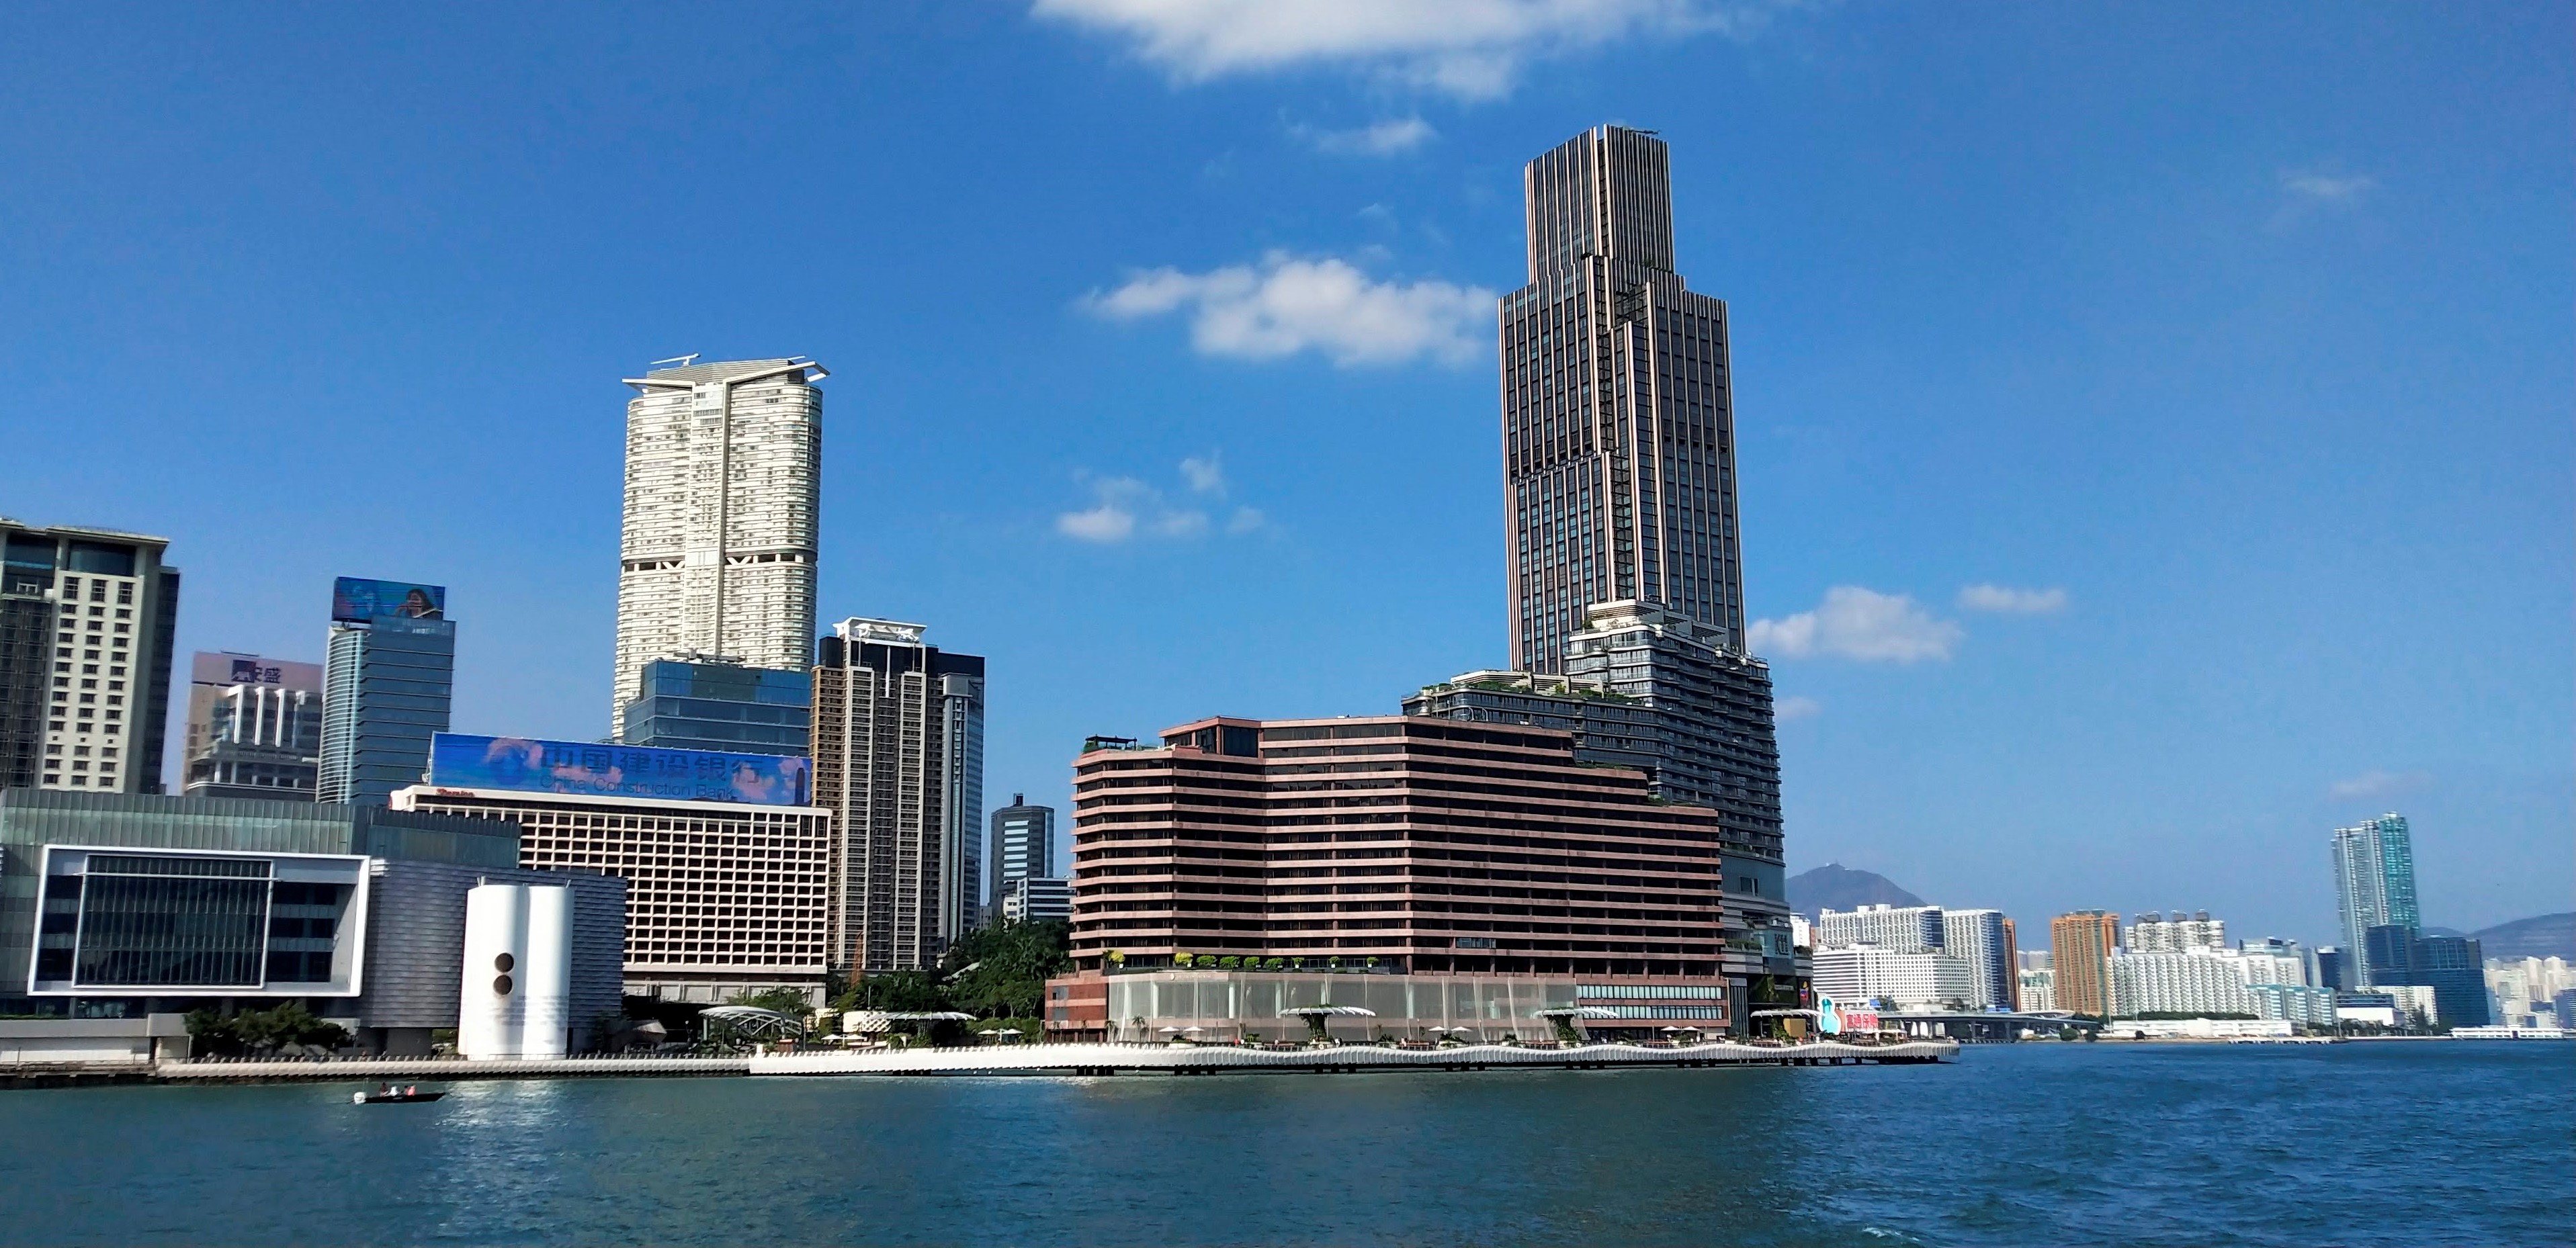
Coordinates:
x,y
1896,929
2081,946
722,519
86,621
2154,933
1981,939
254,727
1898,979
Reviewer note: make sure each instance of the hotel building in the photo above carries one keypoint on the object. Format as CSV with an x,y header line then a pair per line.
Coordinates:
x,y
1405,846
86,621
723,513
724,894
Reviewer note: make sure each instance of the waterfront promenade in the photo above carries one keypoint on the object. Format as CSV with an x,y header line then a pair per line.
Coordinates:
x,y
1087,1059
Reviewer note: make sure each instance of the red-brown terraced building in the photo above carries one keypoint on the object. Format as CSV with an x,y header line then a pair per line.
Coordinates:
x,y
1413,844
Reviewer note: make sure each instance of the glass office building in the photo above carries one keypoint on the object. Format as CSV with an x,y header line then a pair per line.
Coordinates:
x,y
699,705
2374,864
387,683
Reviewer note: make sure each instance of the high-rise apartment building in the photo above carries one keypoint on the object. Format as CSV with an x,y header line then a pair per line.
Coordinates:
x,y
1618,415
386,686
693,702
1982,939
2154,933
254,727
2374,863
899,761
86,620
2081,947
1023,848
1896,929
723,514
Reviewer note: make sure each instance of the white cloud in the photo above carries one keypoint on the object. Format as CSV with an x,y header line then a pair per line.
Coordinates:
x,y
1124,508
2005,600
2376,784
1391,137
2327,187
1472,49
1857,623
1205,475
1285,306
1797,708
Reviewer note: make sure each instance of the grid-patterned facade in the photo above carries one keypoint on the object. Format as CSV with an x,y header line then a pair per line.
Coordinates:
x,y
2082,944
86,622
1618,420
720,897
1415,844
899,760
723,515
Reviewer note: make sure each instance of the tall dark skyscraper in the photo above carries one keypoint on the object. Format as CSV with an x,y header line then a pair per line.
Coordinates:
x,y
1618,420
1627,590
387,680
899,760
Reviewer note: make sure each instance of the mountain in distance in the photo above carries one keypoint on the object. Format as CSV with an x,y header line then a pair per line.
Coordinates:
x,y
1834,886
2541,936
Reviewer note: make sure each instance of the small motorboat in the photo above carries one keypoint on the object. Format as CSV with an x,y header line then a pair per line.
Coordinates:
x,y
391,1095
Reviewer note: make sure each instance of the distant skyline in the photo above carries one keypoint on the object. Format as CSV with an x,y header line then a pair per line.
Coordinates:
x,y
2153,422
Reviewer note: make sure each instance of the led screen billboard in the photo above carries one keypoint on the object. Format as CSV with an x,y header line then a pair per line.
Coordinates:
x,y
592,769
357,599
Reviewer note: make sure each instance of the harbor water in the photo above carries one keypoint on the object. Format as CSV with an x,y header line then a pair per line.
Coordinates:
x,y
2364,1143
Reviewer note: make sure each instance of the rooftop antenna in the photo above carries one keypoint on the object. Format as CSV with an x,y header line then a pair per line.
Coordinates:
x,y
682,360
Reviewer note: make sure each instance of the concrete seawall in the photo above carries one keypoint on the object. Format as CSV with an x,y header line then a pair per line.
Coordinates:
x,y
1072,1059
1105,1059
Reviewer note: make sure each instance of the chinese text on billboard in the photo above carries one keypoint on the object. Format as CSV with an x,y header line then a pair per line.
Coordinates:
x,y
598,770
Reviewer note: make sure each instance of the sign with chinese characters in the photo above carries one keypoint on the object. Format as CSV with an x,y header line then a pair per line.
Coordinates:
x,y
227,668
358,600
595,769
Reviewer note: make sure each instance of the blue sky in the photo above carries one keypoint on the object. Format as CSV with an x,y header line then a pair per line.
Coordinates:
x,y
2229,351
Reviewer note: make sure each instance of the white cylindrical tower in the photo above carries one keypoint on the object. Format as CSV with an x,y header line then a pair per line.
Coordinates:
x,y
516,991
547,983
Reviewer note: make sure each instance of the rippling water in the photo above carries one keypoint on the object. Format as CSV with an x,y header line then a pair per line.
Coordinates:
x,y
2036,1143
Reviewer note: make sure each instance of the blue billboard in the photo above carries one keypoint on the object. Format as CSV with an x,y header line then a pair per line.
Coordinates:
x,y
358,600
592,769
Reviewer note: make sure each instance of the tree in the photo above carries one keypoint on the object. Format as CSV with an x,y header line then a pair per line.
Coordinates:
x,y
1001,971
263,1031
